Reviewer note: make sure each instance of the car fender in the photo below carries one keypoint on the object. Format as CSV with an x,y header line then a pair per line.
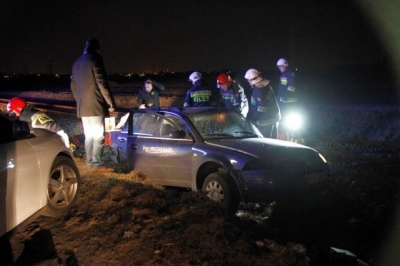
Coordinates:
x,y
47,149
218,161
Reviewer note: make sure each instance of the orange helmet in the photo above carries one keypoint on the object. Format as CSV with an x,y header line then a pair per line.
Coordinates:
x,y
16,105
224,79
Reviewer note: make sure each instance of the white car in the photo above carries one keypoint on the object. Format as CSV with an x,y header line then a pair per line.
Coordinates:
x,y
36,171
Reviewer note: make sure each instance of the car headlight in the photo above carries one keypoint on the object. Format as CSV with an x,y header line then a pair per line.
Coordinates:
x,y
322,157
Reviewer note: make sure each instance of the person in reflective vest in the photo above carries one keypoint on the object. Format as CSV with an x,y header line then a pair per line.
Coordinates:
x,y
232,94
264,109
37,119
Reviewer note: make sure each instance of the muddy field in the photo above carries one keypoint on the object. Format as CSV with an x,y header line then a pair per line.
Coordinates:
x,y
121,219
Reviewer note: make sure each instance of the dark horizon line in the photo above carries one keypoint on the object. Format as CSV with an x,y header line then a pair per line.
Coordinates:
x,y
338,66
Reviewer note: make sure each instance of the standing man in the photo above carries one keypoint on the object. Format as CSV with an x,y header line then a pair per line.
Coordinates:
x,y
233,96
287,94
200,94
94,100
287,87
264,109
149,95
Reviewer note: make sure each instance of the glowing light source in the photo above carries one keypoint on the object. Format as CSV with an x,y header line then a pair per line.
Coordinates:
x,y
293,121
10,165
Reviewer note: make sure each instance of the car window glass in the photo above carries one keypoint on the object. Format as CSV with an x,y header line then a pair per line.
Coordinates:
x,y
166,128
4,135
180,124
212,125
4,130
122,121
13,130
145,124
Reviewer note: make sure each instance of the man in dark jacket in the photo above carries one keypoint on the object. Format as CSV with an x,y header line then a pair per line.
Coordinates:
x,y
264,109
200,94
287,94
94,100
287,87
149,95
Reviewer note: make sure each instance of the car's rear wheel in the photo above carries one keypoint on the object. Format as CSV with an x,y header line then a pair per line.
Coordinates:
x,y
63,186
220,188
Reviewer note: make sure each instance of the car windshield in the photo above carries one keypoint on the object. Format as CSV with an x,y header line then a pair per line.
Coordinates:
x,y
222,124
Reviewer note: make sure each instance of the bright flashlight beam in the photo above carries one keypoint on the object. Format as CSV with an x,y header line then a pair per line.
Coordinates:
x,y
293,121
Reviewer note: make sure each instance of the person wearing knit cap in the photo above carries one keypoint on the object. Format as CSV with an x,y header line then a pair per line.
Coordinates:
x,y
149,95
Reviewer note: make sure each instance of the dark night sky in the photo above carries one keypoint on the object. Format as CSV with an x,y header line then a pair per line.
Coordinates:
x,y
149,35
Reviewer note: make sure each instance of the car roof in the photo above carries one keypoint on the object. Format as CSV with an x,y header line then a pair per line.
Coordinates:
x,y
186,110
192,110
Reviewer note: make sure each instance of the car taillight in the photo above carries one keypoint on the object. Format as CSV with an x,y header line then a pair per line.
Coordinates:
x,y
107,140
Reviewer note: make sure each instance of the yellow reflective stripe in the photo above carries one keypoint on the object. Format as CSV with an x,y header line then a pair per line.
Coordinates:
x,y
262,109
291,88
200,93
228,97
291,100
42,118
200,96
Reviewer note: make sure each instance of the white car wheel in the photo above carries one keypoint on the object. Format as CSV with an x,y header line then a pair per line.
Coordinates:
x,y
63,185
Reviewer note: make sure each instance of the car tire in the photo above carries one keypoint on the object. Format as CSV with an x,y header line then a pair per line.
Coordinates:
x,y
220,188
63,186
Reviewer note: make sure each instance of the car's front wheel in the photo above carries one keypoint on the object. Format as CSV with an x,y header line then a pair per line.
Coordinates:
x,y
63,186
218,187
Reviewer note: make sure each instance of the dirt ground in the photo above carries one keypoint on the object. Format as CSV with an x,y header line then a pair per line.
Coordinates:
x,y
121,219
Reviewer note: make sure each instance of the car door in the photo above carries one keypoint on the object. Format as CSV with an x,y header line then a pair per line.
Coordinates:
x,y
20,186
155,149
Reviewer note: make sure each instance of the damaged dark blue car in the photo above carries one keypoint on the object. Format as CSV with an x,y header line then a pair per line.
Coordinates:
x,y
213,150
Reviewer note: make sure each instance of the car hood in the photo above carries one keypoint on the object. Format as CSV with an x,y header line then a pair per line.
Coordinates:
x,y
258,147
276,153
